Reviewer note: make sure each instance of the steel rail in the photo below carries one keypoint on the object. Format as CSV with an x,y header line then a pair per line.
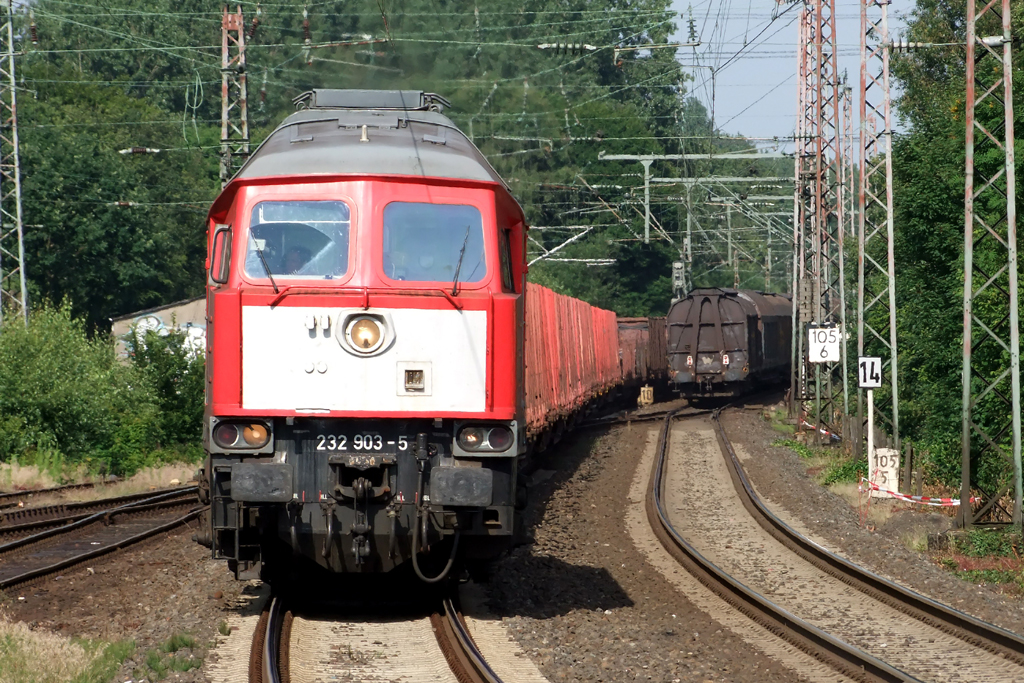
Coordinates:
x,y
467,662
66,509
57,522
271,662
936,614
845,658
95,517
268,658
82,557
10,498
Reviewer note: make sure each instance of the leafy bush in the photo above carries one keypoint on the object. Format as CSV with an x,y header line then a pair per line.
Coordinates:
x,y
65,396
176,370
66,401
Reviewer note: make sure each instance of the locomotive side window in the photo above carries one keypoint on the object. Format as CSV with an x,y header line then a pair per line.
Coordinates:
x,y
505,247
298,239
433,242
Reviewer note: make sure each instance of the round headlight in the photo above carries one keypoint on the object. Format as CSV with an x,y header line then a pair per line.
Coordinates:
x,y
255,435
225,434
471,438
499,438
365,334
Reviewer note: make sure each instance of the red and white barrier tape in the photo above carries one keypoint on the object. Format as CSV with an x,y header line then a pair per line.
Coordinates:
x,y
921,500
823,431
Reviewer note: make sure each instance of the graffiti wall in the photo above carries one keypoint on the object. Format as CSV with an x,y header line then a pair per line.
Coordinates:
x,y
189,315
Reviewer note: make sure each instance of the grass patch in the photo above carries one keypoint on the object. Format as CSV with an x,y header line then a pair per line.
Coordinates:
x,y
845,471
986,556
829,466
915,540
798,447
28,656
178,642
988,543
991,576
106,662
223,628
777,420
165,659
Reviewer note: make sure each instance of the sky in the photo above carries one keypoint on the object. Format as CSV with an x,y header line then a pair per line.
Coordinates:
x,y
754,93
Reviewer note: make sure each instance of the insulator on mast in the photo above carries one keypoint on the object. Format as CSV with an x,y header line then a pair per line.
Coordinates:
x,y
33,32
255,21
307,53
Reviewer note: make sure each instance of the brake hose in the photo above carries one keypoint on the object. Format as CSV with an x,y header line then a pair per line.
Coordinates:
x,y
416,538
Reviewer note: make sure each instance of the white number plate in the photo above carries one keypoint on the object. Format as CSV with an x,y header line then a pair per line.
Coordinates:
x,y
869,372
823,346
362,443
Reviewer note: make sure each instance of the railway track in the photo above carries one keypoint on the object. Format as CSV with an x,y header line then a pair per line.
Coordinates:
x,y
19,521
288,647
860,624
9,499
46,552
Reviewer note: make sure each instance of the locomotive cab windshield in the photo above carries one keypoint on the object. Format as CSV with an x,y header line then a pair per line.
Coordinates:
x,y
298,239
433,242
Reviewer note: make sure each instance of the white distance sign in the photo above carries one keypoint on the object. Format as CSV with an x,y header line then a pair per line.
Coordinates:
x,y
884,471
823,344
869,372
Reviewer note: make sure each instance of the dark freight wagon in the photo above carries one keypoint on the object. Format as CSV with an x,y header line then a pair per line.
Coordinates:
x,y
725,342
642,349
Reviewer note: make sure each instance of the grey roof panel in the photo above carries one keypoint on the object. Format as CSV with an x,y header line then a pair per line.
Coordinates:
x,y
331,142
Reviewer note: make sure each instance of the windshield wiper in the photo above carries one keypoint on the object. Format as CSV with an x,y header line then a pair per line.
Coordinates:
x,y
458,266
263,260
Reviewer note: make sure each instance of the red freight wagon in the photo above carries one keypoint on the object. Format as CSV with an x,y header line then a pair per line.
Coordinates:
x,y
572,355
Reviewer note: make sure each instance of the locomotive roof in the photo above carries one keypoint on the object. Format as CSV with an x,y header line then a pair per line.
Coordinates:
x,y
405,135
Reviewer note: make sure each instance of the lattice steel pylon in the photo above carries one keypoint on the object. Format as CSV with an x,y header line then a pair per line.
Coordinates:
x,y
991,341
13,292
234,110
849,195
876,271
819,294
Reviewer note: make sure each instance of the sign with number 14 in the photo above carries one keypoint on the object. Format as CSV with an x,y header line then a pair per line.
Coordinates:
x,y
869,372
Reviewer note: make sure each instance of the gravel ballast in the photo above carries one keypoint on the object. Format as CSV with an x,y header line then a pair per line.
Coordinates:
x,y
584,604
781,478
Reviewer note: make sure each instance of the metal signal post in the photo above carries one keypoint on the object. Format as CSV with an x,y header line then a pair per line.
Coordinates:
x,y
876,286
991,420
234,111
13,294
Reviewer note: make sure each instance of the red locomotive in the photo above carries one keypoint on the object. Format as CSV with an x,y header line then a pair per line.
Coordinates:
x,y
366,400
